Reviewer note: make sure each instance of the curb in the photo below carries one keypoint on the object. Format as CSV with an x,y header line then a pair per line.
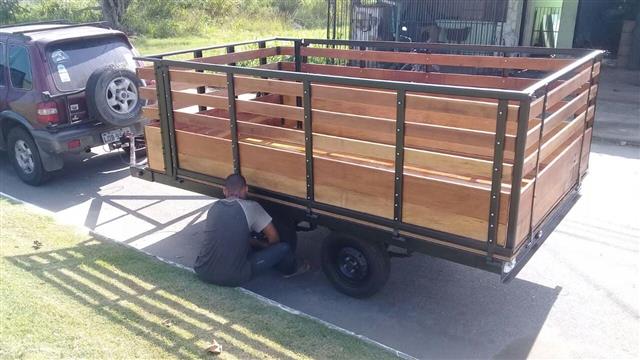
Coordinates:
x,y
273,303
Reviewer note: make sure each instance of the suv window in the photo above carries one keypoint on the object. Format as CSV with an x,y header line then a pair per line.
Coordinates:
x,y
72,62
2,65
20,68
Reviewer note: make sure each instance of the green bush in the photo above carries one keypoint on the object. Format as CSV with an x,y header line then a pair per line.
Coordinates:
x,y
170,18
72,10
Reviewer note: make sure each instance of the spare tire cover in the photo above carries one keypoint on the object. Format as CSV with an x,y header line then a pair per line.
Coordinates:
x,y
113,96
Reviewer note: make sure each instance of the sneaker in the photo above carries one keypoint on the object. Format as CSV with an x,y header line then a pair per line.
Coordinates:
x,y
302,268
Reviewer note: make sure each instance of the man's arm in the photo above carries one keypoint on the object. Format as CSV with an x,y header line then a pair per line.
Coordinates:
x,y
271,234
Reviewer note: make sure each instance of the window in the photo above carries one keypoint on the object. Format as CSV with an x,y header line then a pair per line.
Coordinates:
x,y
72,62
20,68
2,65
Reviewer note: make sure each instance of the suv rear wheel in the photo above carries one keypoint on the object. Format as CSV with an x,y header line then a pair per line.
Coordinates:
x,y
25,157
113,97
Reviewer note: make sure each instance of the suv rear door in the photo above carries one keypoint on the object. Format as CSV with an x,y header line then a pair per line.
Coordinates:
x,y
71,62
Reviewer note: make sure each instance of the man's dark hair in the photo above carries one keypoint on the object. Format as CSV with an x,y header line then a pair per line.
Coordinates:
x,y
234,184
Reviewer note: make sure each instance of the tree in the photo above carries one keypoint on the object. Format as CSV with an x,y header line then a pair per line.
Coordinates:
x,y
8,11
113,11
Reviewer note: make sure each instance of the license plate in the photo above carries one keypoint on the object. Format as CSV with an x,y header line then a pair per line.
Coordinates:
x,y
114,135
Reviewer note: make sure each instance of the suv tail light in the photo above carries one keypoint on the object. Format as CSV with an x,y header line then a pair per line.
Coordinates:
x,y
48,112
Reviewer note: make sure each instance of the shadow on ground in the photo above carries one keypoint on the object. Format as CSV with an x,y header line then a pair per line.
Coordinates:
x,y
430,308
150,302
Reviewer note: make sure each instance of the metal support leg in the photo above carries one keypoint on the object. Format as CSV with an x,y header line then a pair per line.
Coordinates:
x,y
231,50
584,127
201,89
496,177
233,123
308,138
543,117
165,108
516,179
399,156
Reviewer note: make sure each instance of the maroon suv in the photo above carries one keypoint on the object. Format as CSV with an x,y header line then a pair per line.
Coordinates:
x,y
64,88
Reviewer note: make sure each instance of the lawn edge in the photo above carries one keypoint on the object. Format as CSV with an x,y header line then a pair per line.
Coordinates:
x,y
85,230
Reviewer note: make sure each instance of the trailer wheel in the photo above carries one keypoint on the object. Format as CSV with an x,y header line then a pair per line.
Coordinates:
x,y
355,267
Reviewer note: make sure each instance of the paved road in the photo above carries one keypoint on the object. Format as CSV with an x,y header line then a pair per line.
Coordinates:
x,y
578,296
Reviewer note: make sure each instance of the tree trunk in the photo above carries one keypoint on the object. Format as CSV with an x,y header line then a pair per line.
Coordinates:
x,y
113,11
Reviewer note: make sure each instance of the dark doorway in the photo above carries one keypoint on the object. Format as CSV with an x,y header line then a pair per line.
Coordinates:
x,y
599,23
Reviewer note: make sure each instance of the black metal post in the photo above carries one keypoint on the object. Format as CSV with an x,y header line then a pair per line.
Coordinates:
x,y
363,64
233,123
308,139
516,173
399,156
543,117
262,45
496,176
165,108
231,50
201,89
584,127
298,66
296,55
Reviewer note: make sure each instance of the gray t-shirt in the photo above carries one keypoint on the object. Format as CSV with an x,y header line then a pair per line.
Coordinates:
x,y
223,257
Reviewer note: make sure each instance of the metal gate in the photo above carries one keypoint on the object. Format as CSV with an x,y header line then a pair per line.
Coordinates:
x,y
442,21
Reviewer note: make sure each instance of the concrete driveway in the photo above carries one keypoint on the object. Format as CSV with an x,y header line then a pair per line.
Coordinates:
x,y
577,297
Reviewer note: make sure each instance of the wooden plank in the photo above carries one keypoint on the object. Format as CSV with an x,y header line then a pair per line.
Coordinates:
x,y
414,76
146,73
450,106
238,56
341,184
204,154
277,170
584,165
326,144
450,207
476,61
557,94
555,180
243,84
151,112
420,136
153,142
467,109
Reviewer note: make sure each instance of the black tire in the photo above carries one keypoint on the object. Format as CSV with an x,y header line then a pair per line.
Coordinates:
x,y
19,141
355,267
126,106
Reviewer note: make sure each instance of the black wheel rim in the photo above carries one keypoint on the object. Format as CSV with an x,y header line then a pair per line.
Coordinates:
x,y
352,264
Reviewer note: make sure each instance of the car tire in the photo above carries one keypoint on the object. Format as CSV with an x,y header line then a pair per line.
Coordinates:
x,y
113,96
356,267
25,157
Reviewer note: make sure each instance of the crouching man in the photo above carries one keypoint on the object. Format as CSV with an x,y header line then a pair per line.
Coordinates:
x,y
229,254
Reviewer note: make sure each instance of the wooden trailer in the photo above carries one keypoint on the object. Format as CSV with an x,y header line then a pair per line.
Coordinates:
x,y
469,153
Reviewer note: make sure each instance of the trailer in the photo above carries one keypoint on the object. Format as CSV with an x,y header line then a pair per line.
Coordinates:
x,y
474,156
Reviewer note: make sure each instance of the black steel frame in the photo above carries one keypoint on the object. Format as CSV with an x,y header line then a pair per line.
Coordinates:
x,y
489,256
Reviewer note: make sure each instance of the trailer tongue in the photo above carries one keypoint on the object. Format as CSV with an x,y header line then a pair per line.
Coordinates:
x,y
475,165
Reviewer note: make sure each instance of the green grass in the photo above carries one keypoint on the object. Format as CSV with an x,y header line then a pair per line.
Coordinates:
x,y
241,29
65,294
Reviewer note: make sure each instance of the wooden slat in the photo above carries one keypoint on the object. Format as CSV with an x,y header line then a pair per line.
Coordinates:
x,y
326,144
476,61
556,179
238,56
557,94
584,165
153,142
422,103
415,76
569,109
